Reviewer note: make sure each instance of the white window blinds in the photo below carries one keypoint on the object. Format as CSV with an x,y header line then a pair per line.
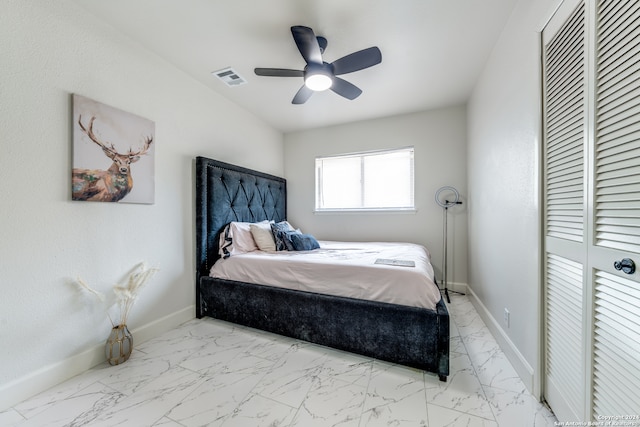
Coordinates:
x,y
377,180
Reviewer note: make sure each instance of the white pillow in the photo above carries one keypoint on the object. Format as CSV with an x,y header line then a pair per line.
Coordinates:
x,y
241,240
263,237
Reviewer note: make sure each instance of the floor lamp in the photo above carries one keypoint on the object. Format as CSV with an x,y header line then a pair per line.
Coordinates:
x,y
446,197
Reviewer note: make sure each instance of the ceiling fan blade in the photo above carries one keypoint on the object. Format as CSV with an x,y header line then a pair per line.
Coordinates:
x,y
307,44
302,96
357,61
278,72
346,89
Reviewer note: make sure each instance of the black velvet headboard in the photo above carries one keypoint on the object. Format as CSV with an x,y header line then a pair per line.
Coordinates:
x,y
226,193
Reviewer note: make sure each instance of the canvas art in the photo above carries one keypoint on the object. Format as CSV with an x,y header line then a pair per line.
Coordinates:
x,y
113,154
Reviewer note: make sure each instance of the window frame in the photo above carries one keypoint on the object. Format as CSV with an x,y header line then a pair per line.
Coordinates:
x,y
362,155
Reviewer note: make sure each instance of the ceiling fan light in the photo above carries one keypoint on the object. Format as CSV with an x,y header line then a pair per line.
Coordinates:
x,y
318,82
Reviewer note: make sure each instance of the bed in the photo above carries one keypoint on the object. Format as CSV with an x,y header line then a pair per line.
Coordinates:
x,y
398,333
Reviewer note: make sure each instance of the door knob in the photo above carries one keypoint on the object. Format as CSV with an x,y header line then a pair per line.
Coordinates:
x,y
626,265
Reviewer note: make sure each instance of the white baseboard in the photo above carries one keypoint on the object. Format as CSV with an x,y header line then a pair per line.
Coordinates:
x,y
520,364
46,377
164,324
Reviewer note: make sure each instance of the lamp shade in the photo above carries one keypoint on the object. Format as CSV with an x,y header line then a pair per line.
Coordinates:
x,y
318,81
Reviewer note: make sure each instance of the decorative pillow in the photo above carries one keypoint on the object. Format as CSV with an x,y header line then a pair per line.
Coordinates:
x,y
288,242
263,237
242,239
278,230
236,239
225,242
303,242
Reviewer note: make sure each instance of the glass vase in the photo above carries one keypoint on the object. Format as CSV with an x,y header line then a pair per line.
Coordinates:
x,y
119,345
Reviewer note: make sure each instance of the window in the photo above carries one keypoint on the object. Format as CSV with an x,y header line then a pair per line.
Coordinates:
x,y
379,180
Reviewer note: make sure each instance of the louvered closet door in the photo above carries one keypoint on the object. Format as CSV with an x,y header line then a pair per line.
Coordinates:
x,y
616,213
592,209
564,71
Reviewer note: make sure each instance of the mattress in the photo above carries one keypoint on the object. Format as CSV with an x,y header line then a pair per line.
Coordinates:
x,y
396,273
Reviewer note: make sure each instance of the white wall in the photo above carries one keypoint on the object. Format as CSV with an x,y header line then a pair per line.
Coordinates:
x,y
504,136
49,50
439,138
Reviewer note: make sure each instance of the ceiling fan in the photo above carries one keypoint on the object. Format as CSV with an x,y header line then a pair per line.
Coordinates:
x,y
319,75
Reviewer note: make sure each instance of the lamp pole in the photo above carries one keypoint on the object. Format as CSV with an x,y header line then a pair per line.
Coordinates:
x,y
445,205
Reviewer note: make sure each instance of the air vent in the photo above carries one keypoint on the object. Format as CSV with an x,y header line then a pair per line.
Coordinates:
x,y
230,77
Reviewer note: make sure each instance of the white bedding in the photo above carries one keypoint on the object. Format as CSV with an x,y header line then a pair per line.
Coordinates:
x,y
341,269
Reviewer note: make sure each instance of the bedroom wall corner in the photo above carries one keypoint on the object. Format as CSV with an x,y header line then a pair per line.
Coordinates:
x,y
50,329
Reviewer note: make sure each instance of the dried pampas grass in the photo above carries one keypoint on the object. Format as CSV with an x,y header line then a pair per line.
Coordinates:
x,y
82,283
127,294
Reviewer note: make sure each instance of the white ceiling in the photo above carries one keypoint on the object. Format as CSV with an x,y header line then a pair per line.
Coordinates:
x,y
432,50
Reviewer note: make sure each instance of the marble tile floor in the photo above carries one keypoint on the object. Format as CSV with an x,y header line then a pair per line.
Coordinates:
x,y
212,373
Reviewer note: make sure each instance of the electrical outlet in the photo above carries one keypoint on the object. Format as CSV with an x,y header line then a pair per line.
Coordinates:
x,y
507,318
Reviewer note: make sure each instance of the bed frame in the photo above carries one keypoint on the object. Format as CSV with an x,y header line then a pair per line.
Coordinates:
x,y
411,336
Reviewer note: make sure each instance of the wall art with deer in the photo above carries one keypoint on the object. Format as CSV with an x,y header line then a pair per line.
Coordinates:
x,y
113,154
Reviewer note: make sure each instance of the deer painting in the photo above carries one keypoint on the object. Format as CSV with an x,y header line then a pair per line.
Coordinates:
x,y
109,185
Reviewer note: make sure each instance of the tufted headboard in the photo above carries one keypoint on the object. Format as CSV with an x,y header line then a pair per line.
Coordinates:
x,y
226,193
